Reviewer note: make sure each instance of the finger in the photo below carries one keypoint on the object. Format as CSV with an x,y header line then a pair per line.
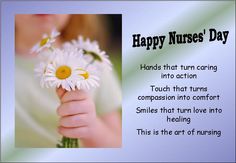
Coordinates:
x,y
73,107
77,132
60,92
74,95
78,120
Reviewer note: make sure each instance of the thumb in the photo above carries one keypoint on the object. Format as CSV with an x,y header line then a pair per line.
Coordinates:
x,y
60,92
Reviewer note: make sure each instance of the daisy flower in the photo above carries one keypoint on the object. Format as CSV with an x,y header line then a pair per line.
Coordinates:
x,y
46,41
92,52
89,79
62,71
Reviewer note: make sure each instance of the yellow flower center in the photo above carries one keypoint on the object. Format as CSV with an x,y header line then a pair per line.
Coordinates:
x,y
85,74
63,72
44,41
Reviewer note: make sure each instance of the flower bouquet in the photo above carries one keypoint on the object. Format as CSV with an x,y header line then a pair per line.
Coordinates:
x,y
74,66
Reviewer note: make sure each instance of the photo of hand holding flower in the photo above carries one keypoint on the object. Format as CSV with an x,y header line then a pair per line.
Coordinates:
x,y
74,67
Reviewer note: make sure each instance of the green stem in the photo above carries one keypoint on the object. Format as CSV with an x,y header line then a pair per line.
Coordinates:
x,y
68,143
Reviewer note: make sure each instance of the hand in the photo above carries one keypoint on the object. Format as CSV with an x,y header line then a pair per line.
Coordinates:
x,y
77,114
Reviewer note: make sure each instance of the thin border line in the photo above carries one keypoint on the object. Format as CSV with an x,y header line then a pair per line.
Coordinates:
x,y
121,33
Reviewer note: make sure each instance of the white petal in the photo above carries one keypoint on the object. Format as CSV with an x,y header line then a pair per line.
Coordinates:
x,y
35,48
